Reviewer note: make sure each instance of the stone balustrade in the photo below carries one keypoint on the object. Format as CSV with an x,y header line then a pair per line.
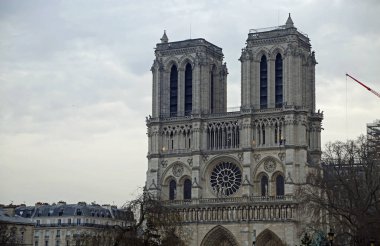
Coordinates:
x,y
236,209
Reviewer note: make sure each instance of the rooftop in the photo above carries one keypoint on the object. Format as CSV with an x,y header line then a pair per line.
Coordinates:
x,y
277,31
4,217
166,45
80,209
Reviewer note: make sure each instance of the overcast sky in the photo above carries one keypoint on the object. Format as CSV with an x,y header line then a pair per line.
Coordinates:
x,y
75,82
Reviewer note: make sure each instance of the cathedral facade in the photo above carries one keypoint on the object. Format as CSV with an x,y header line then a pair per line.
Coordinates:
x,y
233,176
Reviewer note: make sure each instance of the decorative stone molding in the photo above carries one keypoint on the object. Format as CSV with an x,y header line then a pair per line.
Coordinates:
x,y
190,162
257,157
270,166
281,156
177,169
164,163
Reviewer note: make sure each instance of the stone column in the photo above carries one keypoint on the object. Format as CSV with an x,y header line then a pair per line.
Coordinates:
x,y
255,82
205,88
196,88
245,79
165,93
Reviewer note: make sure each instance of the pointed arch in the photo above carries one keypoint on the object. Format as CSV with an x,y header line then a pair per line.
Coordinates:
x,y
268,238
276,50
169,62
172,189
260,166
219,236
173,90
262,52
264,184
184,60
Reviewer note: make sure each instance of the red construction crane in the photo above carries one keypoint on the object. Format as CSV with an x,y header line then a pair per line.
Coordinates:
x,y
373,91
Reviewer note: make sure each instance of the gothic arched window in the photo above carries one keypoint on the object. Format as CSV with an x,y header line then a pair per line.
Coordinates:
x,y
263,82
172,189
212,88
264,185
278,81
187,189
188,89
280,185
173,90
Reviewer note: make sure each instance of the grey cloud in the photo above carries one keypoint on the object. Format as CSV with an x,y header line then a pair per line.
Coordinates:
x,y
75,84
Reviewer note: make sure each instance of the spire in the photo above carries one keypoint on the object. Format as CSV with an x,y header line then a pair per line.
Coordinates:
x,y
164,38
289,22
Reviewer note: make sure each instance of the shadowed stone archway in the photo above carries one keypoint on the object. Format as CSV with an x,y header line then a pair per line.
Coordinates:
x,y
219,236
268,238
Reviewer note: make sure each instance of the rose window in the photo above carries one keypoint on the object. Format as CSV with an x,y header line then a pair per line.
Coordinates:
x,y
225,179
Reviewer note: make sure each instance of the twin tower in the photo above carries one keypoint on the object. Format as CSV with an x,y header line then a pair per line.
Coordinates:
x,y
232,175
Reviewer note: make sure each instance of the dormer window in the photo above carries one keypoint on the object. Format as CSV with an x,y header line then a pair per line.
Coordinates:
x,y
79,211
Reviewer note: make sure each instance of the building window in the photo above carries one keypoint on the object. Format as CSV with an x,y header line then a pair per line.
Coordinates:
x,y
69,221
280,185
57,243
59,222
173,91
276,133
46,243
78,221
212,92
188,89
35,243
263,134
263,82
187,189
225,179
278,81
58,233
38,222
172,189
264,185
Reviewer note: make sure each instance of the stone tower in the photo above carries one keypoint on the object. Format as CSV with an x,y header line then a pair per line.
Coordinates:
x,y
232,175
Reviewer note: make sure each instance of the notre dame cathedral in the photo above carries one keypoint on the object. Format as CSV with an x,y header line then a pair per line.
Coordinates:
x,y
233,176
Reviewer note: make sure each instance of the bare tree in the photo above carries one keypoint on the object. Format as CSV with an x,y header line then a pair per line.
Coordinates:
x,y
344,192
8,235
156,224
